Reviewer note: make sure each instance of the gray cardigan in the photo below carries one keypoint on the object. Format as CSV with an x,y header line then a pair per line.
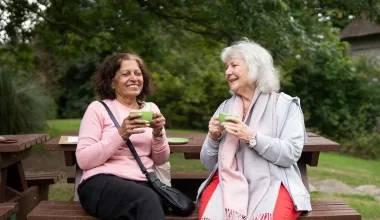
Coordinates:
x,y
283,151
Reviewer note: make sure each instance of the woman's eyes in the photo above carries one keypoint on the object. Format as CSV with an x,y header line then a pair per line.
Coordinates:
x,y
233,65
127,73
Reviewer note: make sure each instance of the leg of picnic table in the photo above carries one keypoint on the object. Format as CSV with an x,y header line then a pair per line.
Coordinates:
x,y
16,177
3,181
78,177
305,180
27,201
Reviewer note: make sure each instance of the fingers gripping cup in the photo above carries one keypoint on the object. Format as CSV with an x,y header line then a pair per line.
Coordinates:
x,y
222,117
145,115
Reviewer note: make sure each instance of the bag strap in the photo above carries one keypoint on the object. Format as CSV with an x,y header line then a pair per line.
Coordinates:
x,y
129,143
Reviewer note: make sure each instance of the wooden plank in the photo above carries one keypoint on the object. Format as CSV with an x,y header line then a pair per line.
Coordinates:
x,y
27,201
310,158
8,209
70,159
70,179
44,174
60,203
10,158
11,193
23,141
59,215
3,181
43,180
315,143
303,171
71,210
56,175
78,177
327,202
16,177
331,215
21,176
59,210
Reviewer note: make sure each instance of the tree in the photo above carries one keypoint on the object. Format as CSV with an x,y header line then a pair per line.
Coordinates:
x,y
181,42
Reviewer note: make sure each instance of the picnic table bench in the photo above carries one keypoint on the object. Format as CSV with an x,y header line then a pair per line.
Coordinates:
x,y
188,182
72,210
20,193
8,210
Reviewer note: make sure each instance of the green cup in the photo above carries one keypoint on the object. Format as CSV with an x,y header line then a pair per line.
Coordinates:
x,y
222,117
145,115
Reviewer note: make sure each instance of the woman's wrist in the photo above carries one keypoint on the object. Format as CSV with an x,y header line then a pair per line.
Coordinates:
x,y
158,135
249,136
216,138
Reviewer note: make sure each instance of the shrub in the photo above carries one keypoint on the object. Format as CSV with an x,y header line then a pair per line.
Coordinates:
x,y
24,106
366,146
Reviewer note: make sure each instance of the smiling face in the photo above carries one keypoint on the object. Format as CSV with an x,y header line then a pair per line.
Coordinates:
x,y
237,75
128,81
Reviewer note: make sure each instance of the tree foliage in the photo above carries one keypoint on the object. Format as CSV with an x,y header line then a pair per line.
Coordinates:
x,y
181,42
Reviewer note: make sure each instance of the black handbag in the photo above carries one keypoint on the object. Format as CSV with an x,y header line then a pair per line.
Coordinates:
x,y
177,201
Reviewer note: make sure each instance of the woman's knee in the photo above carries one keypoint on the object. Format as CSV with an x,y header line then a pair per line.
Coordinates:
x,y
151,197
284,209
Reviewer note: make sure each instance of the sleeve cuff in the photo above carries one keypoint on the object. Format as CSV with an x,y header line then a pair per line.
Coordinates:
x,y
262,143
213,144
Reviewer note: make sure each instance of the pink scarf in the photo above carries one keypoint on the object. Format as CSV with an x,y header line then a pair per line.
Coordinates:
x,y
235,189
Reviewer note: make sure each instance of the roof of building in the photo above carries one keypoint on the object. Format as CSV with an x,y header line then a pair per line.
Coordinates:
x,y
359,28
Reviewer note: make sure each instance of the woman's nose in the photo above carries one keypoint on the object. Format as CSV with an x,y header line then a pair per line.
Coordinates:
x,y
133,77
228,71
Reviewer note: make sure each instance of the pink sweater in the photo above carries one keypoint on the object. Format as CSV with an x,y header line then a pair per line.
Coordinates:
x,y
101,149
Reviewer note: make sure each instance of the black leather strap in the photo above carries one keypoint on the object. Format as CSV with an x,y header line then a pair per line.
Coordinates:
x,y
129,143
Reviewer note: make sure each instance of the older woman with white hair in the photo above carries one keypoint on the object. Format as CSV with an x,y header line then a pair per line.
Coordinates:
x,y
254,157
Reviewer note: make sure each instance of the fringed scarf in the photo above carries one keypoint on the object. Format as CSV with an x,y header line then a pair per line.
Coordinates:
x,y
246,189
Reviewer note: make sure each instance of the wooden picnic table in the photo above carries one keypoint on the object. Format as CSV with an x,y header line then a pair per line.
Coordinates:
x,y
13,184
191,150
188,182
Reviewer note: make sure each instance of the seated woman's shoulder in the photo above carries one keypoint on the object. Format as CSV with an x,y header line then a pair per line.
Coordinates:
x,y
286,96
96,104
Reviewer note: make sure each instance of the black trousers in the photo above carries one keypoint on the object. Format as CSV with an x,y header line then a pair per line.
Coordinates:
x,y
110,197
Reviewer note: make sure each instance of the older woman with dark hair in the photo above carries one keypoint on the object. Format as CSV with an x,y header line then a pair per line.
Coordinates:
x,y
112,185
254,157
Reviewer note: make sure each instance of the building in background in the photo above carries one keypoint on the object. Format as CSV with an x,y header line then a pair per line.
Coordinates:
x,y
364,37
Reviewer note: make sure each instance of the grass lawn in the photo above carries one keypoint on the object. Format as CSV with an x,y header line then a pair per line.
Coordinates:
x,y
349,170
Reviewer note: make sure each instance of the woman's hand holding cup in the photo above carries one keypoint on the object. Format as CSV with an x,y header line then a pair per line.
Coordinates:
x,y
157,124
214,128
131,124
238,128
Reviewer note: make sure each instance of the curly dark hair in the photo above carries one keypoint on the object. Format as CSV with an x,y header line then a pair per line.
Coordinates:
x,y
102,78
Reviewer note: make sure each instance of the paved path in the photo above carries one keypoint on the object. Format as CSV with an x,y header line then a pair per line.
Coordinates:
x,y
337,187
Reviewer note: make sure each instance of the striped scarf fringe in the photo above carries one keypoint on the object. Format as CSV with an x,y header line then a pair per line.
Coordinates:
x,y
265,216
233,215
230,214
